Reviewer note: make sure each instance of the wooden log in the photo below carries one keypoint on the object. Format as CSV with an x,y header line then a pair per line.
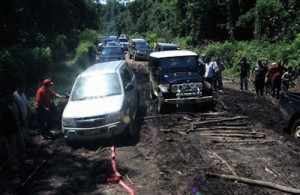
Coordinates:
x,y
223,161
35,170
255,136
239,141
234,131
198,124
256,182
222,128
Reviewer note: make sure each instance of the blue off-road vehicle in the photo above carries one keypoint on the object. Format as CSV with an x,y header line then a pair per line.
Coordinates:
x,y
175,79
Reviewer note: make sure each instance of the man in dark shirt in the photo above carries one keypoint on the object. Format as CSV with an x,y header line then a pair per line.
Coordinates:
x,y
244,73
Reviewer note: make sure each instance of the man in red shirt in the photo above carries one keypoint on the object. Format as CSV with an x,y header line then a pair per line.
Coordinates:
x,y
44,103
276,80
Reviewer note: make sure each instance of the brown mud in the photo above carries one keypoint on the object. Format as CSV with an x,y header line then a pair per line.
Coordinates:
x,y
177,153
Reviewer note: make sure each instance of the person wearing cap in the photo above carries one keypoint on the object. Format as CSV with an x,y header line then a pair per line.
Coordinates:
x,y
276,79
44,103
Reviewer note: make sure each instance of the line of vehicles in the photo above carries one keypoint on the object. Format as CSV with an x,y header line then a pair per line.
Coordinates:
x,y
136,49
104,99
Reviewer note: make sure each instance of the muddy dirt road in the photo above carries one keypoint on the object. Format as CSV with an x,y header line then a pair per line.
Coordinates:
x,y
237,148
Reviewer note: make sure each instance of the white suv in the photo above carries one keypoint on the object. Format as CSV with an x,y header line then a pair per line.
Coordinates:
x,y
103,102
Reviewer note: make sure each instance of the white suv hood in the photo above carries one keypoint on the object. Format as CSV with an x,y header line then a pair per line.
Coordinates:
x,y
93,107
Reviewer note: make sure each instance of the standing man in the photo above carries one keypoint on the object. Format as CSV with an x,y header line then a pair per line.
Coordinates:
x,y
209,70
201,63
260,72
21,100
244,73
11,128
218,82
44,104
276,80
287,79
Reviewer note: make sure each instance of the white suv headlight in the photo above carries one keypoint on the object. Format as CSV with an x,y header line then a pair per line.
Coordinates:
x,y
68,122
113,117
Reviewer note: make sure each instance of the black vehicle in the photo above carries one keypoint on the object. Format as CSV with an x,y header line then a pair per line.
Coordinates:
x,y
290,112
175,79
166,47
139,49
112,53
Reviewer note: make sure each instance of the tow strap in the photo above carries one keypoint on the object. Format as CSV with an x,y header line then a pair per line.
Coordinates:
x,y
118,177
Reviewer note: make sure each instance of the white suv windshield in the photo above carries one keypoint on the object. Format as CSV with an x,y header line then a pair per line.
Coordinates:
x,y
187,63
96,86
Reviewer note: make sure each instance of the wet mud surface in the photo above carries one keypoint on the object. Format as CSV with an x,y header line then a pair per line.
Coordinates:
x,y
212,151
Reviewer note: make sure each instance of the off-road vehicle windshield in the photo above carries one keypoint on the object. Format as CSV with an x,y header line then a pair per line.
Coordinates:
x,y
96,86
187,63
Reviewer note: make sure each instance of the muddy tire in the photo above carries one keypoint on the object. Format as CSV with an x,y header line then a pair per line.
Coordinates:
x,y
134,57
162,106
295,130
132,132
152,95
73,144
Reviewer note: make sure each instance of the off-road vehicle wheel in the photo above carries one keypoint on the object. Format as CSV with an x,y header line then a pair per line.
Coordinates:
x,y
152,95
296,129
134,57
132,131
162,106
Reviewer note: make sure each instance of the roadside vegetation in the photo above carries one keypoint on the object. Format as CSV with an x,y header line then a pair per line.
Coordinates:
x,y
53,38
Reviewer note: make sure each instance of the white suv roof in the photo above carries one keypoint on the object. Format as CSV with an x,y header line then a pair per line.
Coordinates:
x,y
103,68
174,53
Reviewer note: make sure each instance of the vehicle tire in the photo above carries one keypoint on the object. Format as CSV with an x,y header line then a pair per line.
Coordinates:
x,y
295,130
132,131
162,106
73,144
152,95
134,57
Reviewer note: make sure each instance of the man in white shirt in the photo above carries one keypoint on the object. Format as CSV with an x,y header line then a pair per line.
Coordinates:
x,y
209,70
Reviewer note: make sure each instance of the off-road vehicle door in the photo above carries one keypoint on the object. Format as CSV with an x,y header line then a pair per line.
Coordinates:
x,y
154,74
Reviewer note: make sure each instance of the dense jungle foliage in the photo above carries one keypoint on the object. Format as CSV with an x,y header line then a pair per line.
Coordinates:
x,y
40,38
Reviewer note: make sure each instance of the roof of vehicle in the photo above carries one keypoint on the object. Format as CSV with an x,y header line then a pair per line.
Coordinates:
x,y
173,53
168,44
103,68
113,46
138,40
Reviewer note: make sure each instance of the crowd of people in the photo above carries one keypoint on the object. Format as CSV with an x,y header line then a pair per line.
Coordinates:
x,y
211,71
266,80
14,116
